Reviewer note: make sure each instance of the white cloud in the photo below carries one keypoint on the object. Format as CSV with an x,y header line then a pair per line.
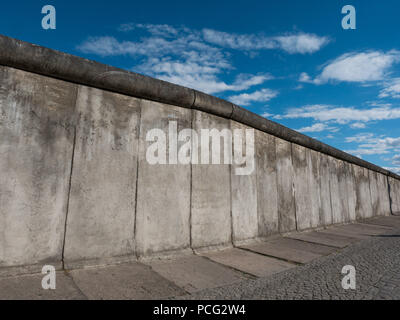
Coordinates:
x,y
341,115
301,43
245,99
304,77
369,144
393,169
180,56
291,43
318,127
391,89
396,160
358,125
361,137
357,67
266,115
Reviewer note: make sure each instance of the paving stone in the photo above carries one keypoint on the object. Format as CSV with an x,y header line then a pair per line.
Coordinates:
x,y
333,240
283,252
193,273
249,262
304,246
128,281
29,287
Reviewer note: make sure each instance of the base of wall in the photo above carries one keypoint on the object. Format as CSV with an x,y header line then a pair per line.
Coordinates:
x,y
6,272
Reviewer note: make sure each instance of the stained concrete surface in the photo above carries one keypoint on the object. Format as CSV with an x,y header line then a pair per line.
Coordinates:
x,y
211,208
328,239
163,195
103,182
128,281
193,273
29,287
267,190
282,252
249,262
36,147
243,189
284,177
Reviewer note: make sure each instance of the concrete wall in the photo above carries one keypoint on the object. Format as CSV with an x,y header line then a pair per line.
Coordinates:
x,y
394,195
244,196
267,187
103,182
285,186
211,220
36,147
163,195
77,187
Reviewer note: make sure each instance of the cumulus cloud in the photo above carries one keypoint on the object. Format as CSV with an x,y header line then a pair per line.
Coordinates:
x,y
178,55
370,144
393,169
396,160
301,43
245,99
155,29
318,127
342,115
391,89
356,67
358,125
304,77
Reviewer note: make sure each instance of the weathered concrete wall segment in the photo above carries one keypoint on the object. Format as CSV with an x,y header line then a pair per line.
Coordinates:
x,y
76,187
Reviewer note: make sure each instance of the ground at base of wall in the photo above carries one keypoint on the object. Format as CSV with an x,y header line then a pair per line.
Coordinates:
x,y
299,266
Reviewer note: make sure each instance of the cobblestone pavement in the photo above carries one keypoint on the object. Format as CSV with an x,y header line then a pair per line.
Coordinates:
x,y
377,264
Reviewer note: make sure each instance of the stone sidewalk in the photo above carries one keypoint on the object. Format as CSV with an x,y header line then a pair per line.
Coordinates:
x,y
297,266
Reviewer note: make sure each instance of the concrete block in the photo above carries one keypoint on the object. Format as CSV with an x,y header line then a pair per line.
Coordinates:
x,y
267,190
351,191
282,252
366,229
100,222
364,204
344,191
373,186
395,195
338,188
124,282
337,241
244,192
206,103
345,233
303,246
211,197
383,191
36,146
314,165
306,165
325,190
389,221
302,188
285,181
29,287
163,196
193,273
358,230
249,262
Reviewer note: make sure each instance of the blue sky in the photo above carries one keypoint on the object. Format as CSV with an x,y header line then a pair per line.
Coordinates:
x,y
290,61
